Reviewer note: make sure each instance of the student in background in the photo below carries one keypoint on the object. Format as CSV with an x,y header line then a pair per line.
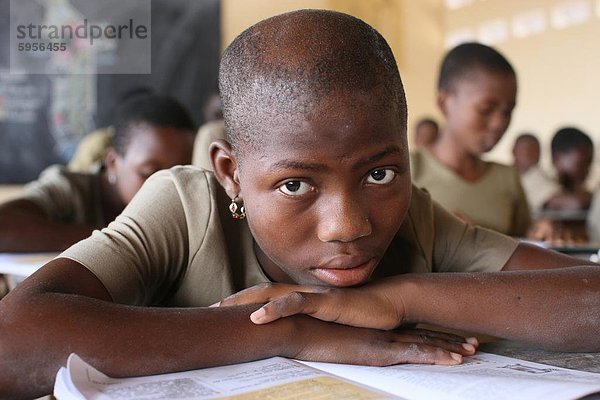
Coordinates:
x,y
311,188
93,147
538,186
572,156
426,132
62,207
477,90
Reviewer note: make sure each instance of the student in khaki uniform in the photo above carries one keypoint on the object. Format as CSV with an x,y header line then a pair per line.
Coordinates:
x,y
312,188
538,186
62,207
477,90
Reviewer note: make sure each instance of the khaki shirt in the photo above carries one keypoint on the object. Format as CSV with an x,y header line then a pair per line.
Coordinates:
x,y
176,244
539,188
496,201
67,196
593,218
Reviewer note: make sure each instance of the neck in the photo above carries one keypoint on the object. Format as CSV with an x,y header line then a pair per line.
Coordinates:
x,y
273,272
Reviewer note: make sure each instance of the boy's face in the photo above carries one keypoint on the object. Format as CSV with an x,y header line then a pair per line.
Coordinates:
x,y
574,165
479,108
526,153
327,192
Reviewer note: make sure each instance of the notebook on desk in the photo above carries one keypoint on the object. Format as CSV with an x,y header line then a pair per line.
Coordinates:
x,y
484,375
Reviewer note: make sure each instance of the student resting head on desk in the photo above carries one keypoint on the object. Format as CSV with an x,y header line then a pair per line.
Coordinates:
x,y
477,90
151,133
312,188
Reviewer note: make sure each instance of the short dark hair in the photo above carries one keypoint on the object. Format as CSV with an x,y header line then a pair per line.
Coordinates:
x,y
155,110
287,64
525,137
464,58
570,138
427,121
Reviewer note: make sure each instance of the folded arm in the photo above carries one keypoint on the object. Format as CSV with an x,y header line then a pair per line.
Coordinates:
x,y
556,308
64,308
26,228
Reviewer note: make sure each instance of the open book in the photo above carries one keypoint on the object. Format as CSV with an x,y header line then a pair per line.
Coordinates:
x,y
484,376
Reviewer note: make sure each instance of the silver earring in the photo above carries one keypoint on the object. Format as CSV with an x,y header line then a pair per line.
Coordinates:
x,y
237,210
112,179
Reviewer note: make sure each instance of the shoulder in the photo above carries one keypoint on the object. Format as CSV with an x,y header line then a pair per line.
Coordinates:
x,y
503,173
61,175
502,169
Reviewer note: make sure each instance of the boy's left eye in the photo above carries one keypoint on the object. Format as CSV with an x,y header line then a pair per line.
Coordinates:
x,y
295,188
381,176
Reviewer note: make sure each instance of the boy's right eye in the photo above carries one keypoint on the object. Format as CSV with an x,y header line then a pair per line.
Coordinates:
x,y
295,188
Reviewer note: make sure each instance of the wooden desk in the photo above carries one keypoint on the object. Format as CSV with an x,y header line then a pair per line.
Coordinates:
x,y
589,362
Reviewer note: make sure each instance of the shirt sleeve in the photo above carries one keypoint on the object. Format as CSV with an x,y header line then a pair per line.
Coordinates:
x,y
53,192
141,255
459,247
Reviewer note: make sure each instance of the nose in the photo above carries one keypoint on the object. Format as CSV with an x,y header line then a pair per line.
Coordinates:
x,y
343,220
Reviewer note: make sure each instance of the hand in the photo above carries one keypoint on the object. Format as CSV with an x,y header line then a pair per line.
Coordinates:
x,y
364,307
328,342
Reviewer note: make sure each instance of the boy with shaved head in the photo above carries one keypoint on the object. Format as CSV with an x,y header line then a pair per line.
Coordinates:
x,y
312,190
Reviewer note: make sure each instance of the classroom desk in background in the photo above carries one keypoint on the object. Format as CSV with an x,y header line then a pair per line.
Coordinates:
x,y
589,362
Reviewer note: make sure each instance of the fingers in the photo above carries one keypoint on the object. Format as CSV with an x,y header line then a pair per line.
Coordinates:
x,y
426,354
262,293
451,337
294,303
459,347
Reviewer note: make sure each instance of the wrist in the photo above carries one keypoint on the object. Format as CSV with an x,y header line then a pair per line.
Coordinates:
x,y
407,296
293,336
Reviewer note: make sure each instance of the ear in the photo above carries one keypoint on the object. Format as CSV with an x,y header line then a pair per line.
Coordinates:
x,y
225,165
442,101
110,160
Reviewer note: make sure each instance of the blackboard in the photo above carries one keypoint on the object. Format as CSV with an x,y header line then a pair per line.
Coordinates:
x,y
43,117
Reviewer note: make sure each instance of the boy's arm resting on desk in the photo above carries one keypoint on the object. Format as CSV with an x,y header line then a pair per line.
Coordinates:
x,y
25,227
64,308
522,303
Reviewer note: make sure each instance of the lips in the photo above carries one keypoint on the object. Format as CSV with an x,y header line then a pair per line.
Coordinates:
x,y
345,271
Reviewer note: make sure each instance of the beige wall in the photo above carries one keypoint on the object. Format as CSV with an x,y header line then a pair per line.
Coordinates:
x,y
559,78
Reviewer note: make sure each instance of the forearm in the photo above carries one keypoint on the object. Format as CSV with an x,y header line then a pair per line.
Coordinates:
x,y
558,309
38,335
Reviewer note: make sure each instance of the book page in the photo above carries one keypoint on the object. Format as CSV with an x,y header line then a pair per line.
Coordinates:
x,y
276,378
481,376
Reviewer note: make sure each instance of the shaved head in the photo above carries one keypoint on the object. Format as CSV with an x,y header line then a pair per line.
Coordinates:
x,y
286,65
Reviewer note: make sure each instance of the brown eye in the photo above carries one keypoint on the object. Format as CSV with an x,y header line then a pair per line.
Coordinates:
x,y
295,188
381,176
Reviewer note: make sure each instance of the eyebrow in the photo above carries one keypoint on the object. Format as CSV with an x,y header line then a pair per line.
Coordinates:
x,y
393,149
316,167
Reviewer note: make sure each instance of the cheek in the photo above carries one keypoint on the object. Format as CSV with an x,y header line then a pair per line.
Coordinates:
x,y
129,184
275,225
